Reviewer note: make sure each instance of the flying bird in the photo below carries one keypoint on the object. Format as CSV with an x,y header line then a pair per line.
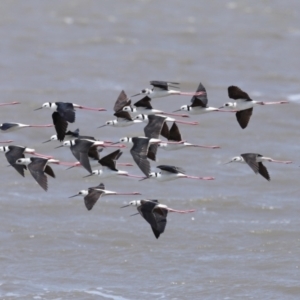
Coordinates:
x,y
92,195
243,105
64,113
10,126
155,214
175,136
38,166
163,89
168,173
254,161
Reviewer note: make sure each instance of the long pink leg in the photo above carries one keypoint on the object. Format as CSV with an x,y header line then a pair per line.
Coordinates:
x,y
281,161
11,103
188,123
8,141
208,147
125,164
41,155
192,94
113,146
90,108
276,102
181,211
124,194
202,178
175,115
47,125
133,176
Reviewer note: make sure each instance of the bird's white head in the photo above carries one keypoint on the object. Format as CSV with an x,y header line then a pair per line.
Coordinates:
x,y
4,149
96,172
111,122
228,105
68,143
153,174
125,140
23,161
142,117
82,193
146,91
128,108
185,108
236,159
53,138
135,202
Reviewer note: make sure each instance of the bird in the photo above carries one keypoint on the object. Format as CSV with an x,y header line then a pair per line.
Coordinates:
x,y
109,169
175,136
92,195
145,118
199,103
155,213
163,89
10,103
38,166
10,126
13,153
124,119
144,106
254,161
64,113
139,151
81,148
243,105
69,135
168,173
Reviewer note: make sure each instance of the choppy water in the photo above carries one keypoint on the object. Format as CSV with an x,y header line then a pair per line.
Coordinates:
x,y
243,240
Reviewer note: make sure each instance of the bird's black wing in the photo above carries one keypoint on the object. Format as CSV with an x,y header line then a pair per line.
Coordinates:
x,y
123,115
139,153
160,215
236,93
101,186
121,102
171,169
110,160
66,111
13,155
164,84
200,100
60,125
250,159
146,211
36,168
48,170
154,126
243,117
7,126
144,102
93,153
174,133
262,170
91,198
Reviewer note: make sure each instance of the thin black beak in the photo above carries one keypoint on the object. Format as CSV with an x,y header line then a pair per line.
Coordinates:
x,y
115,143
38,108
125,206
88,175
46,141
136,95
221,107
227,162
58,147
74,196
144,178
101,126
70,168
177,110
134,214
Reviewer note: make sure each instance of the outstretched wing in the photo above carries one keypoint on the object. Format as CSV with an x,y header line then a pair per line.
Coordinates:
x,y
243,117
60,125
236,93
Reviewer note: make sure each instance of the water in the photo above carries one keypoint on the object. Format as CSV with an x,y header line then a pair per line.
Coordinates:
x,y
243,240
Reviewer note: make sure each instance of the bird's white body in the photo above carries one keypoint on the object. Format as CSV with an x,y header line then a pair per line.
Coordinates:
x,y
172,147
14,128
122,122
106,172
197,110
27,161
129,140
166,176
51,105
143,110
241,104
158,93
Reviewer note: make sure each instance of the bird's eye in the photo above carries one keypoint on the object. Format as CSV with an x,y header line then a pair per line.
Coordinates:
x,y
143,91
226,104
